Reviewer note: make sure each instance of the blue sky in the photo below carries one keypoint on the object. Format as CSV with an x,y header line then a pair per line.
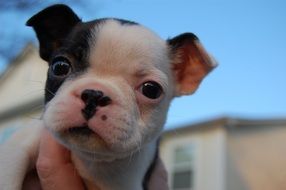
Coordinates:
x,y
247,38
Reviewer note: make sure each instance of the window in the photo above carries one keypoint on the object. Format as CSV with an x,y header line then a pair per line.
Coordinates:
x,y
183,168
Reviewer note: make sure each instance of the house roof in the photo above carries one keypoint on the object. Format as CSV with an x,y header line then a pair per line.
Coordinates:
x,y
22,110
226,122
30,47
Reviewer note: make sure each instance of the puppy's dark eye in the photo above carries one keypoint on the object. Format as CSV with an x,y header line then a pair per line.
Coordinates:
x,y
151,89
61,67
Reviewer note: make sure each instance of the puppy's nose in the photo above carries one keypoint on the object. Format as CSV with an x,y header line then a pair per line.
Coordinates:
x,y
93,99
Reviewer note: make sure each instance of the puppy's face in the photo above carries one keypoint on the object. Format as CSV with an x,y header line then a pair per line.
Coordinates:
x,y
110,81
115,98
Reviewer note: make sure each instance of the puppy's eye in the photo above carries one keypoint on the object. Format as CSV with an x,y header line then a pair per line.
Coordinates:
x,y
61,66
151,89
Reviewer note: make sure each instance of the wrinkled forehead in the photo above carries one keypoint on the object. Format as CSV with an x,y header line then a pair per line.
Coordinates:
x,y
127,46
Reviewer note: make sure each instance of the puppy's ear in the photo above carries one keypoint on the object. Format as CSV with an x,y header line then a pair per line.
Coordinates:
x,y
52,25
191,63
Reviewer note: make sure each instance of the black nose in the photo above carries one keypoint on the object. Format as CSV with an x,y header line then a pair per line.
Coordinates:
x,y
93,99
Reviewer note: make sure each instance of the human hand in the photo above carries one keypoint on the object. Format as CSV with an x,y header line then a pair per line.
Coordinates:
x,y
54,166
159,177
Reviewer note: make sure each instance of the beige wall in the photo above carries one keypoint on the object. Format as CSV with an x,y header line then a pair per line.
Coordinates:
x,y
258,155
209,156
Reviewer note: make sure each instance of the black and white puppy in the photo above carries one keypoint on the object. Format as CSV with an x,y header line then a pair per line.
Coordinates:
x,y
108,90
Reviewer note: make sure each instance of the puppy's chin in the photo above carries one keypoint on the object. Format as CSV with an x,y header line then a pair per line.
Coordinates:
x,y
89,145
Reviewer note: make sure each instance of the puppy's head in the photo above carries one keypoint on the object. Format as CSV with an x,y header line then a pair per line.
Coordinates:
x,y
110,81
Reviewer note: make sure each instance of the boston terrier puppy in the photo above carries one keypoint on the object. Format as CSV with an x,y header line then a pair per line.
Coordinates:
x,y
109,86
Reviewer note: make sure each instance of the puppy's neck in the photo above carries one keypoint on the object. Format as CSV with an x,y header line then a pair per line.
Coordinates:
x,y
127,173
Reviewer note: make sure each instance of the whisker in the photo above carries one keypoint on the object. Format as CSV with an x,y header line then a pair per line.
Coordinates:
x,y
32,92
49,91
36,81
33,110
130,157
34,118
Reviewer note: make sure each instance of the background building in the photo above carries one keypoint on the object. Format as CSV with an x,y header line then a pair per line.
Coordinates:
x,y
226,154
220,154
21,91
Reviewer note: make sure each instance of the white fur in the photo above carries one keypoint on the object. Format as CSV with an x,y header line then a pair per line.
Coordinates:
x,y
114,175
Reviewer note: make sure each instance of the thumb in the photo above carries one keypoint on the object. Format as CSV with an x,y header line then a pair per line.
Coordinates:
x,y
159,177
54,166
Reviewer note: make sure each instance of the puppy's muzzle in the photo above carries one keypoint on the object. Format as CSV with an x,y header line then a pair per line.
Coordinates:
x,y
93,99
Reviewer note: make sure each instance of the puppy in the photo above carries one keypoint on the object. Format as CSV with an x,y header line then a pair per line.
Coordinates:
x,y
109,86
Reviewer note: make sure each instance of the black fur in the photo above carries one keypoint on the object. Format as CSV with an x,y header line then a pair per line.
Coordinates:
x,y
76,49
52,25
61,33
180,40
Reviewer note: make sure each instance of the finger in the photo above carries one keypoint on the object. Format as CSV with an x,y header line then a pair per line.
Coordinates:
x,y
159,178
55,169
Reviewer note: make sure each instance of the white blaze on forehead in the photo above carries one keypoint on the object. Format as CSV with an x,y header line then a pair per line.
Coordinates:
x,y
116,45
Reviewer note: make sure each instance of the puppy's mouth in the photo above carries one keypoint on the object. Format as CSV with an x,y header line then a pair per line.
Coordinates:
x,y
84,133
81,130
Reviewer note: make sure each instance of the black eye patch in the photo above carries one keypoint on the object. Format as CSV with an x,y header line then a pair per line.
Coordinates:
x,y
76,47
71,59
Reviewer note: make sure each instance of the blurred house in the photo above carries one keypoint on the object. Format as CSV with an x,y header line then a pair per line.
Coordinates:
x,y
226,154
220,154
21,91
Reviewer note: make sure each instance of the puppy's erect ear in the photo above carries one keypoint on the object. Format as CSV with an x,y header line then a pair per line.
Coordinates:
x,y
191,62
52,25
